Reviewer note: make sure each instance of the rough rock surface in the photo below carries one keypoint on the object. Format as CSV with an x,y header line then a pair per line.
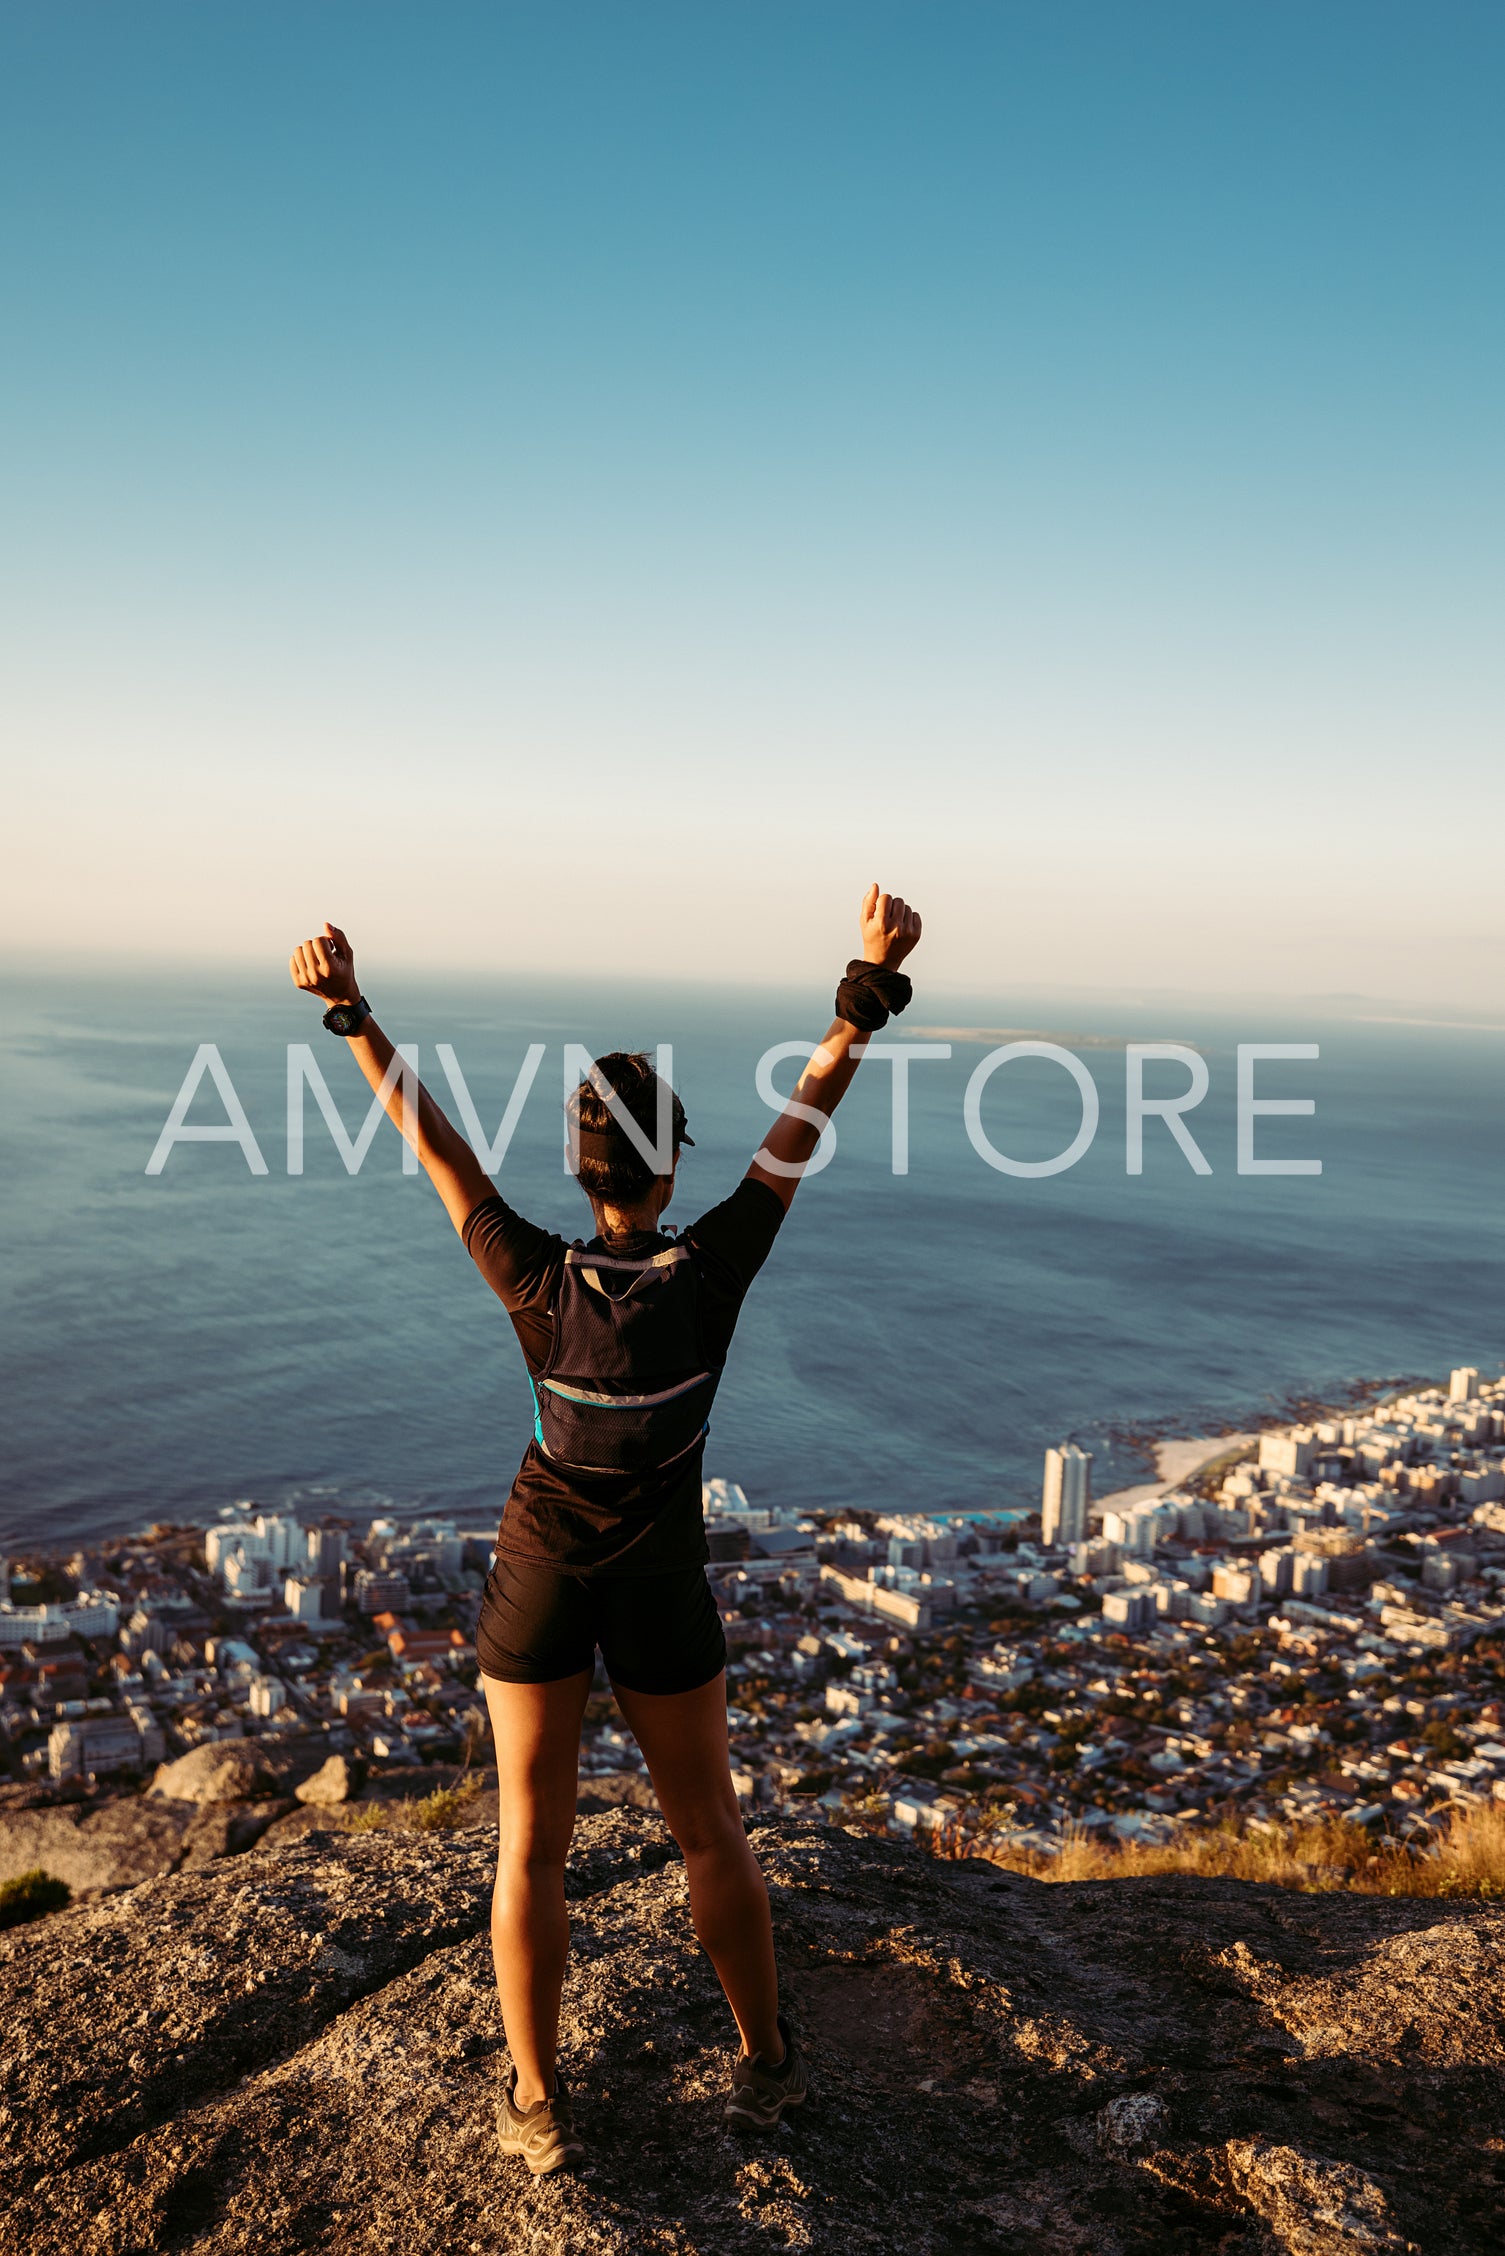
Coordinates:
x,y
101,1846
614,1789
214,1802
229,1795
225,1770
336,1780
300,2050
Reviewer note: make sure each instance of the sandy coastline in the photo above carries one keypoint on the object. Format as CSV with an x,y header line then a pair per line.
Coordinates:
x,y
1175,1462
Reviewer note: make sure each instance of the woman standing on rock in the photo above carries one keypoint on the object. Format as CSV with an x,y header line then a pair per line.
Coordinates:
x,y
602,1543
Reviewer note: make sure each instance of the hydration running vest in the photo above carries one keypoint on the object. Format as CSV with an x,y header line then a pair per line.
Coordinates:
x,y
625,1389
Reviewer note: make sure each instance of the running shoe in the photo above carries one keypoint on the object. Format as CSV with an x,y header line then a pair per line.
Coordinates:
x,y
543,2134
760,2093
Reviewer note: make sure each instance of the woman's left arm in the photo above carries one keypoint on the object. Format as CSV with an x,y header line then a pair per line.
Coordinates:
x,y
890,928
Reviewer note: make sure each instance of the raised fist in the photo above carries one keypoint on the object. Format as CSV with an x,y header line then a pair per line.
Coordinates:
x,y
890,928
326,967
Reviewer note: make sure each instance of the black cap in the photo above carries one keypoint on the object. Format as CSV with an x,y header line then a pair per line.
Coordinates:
x,y
614,1147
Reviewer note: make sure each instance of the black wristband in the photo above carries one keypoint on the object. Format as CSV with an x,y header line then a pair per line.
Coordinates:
x,y
869,993
347,1018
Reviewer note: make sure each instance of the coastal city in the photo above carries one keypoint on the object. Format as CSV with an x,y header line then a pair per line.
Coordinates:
x,y
1306,1623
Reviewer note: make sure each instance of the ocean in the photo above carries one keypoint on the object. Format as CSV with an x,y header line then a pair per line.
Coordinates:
x,y
173,1342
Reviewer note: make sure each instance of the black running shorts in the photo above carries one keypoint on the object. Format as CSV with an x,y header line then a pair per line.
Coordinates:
x,y
657,1632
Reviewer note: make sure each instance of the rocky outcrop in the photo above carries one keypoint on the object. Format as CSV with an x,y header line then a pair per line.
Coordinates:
x,y
219,1800
98,1847
300,2050
213,1802
337,1780
224,1770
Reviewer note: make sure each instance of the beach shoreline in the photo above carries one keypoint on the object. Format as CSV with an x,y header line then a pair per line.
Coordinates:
x,y
1176,1461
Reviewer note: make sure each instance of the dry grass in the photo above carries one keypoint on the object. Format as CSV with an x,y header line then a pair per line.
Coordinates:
x,y
1466,1858
438,1812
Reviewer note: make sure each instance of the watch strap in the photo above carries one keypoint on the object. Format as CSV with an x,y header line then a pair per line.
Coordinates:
x,y
347,1018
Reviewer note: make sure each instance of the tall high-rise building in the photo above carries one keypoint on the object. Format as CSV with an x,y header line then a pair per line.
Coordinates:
x,y
283,1537
1068,1490
326,1550
1463,1384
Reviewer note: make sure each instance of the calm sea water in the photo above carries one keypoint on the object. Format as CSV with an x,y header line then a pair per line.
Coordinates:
x,y
171,1343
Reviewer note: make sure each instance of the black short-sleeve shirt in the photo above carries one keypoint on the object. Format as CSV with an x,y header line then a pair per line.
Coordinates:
x,y
615,1523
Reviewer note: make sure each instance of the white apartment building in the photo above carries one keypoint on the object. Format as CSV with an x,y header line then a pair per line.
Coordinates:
x,y
435,1543
1241,1586
100,1746
228,1535
1129,1609
32,1625
1137,1529
93,1613
283,1539
911,1609
303,1600
1277,1569
245,1575
1066,1494
1290,1453
725,1504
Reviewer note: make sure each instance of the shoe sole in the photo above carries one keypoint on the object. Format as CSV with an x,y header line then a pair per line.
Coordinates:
x,y
564,2157
560,2152
745,2119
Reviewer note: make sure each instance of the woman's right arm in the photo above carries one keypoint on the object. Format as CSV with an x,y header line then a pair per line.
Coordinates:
x,y
326,967
890,929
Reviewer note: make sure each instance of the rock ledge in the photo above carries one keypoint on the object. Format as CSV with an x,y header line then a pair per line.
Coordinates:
x,y
300,2050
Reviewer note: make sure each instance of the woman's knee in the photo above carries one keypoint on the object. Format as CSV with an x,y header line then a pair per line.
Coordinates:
x,y
713,1834
535,1829
530,1863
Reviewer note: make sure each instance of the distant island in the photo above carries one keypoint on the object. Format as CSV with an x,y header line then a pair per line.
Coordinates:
x,y
1039,1034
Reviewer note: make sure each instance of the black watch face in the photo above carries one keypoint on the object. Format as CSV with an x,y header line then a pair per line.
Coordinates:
x,y
341,1017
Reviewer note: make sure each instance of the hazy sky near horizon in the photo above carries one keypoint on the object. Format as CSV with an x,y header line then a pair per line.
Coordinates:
x,y
567,485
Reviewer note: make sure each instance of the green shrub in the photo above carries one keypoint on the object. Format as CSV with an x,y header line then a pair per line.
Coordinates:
x,y
30,1895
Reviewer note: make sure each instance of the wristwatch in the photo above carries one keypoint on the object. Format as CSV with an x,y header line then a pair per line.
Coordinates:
x,y
347,1018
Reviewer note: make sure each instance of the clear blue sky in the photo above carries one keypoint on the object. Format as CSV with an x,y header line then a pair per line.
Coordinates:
x,y
1048,457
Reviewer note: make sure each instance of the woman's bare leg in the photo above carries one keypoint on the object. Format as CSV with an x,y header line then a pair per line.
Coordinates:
x,y
683,1738
536,1731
